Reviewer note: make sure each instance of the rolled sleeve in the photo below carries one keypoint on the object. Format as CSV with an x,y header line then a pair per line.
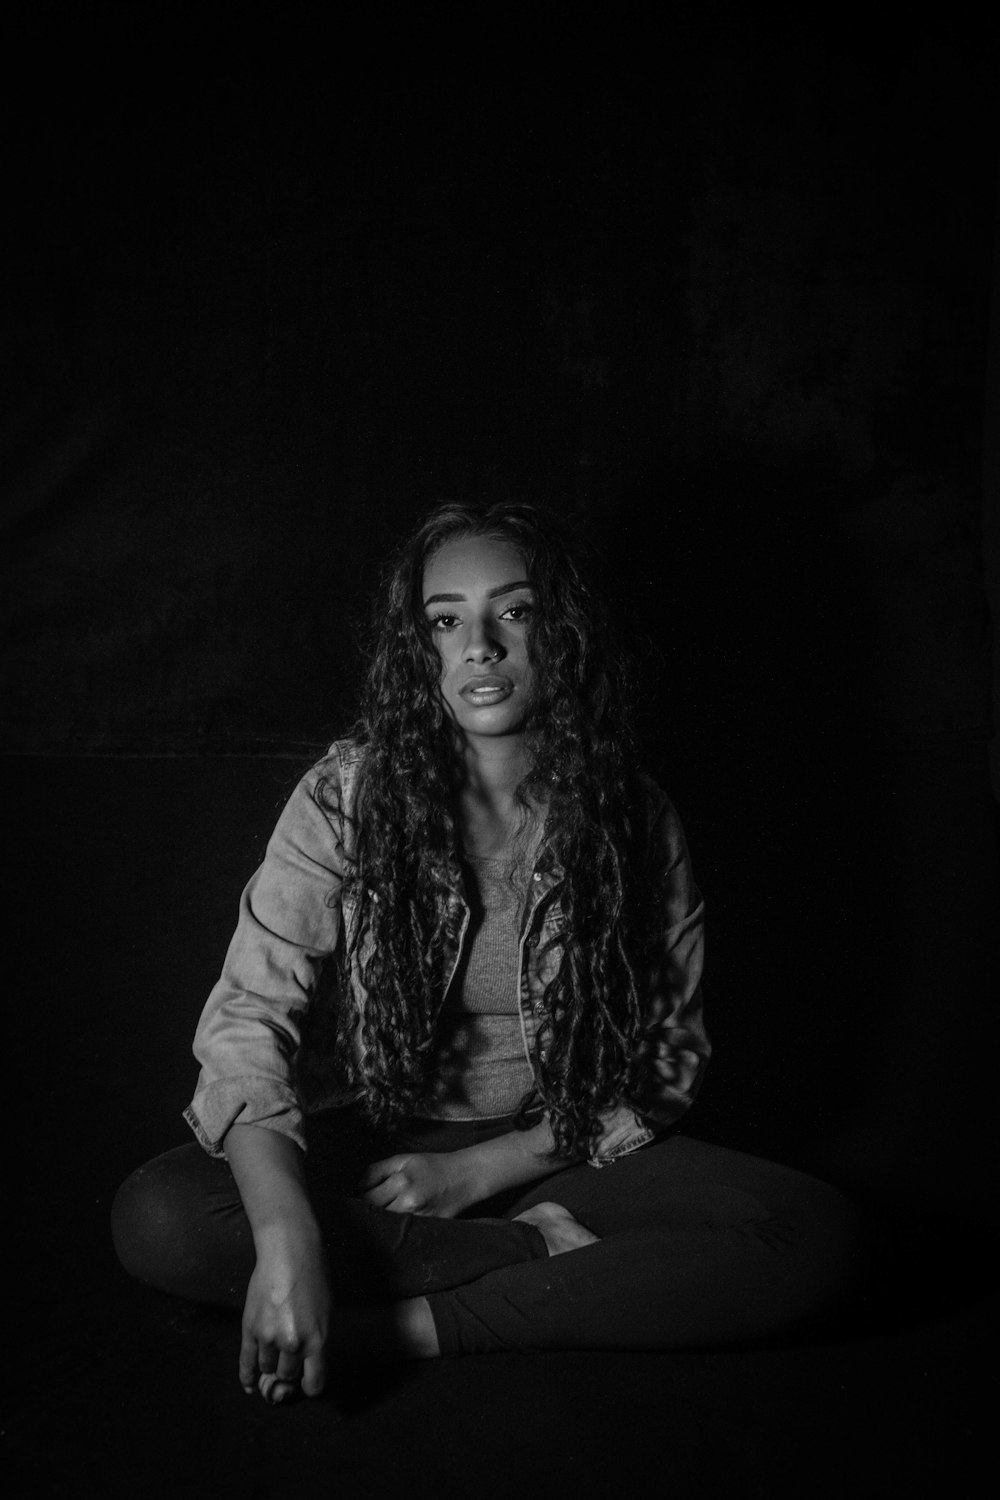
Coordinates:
x,y
289,924
622,1132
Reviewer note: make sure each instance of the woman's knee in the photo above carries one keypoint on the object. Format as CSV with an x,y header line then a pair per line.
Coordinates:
x,y
142,1225
178,1224
160,1213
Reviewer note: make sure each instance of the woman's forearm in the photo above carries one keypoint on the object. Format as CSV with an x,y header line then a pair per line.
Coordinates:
x,y
269,1169
513,1160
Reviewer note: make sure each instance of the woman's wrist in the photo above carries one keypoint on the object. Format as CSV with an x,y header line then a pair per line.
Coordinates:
x,y
293,1228
511,1160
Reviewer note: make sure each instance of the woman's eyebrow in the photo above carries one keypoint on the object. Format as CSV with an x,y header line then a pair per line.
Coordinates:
x,y
504,588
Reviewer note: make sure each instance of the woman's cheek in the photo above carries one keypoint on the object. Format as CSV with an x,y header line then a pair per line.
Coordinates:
x,y
449,691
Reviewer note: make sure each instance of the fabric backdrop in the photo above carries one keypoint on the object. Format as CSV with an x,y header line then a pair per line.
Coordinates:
x,y
720,294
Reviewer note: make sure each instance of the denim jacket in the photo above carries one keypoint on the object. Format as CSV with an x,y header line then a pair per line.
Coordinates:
x,y
293,915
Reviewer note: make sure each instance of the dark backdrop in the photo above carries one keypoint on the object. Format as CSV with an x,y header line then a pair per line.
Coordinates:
x,y
718,292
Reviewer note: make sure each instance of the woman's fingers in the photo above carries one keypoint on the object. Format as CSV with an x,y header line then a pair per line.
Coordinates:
x,y
384,1193
314,1374
248,1361
280,1382
260,1363
274,1390
277,1386
379,1171
289,1366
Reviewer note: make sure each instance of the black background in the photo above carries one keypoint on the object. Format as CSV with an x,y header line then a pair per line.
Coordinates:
x,y
718,290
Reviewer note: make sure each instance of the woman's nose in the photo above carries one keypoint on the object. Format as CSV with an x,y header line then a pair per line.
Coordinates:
x,y
481,645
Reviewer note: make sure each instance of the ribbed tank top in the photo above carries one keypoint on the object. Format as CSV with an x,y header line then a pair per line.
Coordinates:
x,y
481,1068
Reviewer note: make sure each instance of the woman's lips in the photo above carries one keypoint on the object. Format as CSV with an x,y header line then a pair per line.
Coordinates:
x,y
482,692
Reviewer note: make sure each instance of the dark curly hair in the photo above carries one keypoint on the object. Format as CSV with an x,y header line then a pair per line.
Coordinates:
x,y
406,870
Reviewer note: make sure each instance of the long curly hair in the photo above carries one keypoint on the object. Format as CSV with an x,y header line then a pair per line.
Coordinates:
x,y
405,869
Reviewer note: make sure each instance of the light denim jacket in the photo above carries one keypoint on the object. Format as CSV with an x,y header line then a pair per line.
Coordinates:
x,y
292,917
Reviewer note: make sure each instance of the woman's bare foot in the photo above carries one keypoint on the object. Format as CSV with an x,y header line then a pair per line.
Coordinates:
x,y
559,1229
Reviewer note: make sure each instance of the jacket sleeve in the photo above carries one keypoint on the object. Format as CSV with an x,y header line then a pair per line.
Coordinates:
x,y
289,923
675,1048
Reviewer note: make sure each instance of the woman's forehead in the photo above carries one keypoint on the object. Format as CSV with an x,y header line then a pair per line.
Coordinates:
x,y
473,564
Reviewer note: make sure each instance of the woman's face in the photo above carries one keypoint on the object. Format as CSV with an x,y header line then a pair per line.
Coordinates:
x,y
479,601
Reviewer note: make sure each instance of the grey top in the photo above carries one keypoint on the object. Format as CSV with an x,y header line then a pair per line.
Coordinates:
x,y
482,1066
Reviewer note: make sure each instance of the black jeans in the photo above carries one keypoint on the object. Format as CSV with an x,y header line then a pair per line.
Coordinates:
x,y
699,1246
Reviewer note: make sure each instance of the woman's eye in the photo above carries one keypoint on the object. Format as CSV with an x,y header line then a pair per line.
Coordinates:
x,y
519,611
443,622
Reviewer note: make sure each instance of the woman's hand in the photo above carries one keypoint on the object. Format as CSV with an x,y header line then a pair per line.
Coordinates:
x,y
286,1317
438,1184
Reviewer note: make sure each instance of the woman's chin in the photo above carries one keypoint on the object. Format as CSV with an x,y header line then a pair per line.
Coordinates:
x,y
491,723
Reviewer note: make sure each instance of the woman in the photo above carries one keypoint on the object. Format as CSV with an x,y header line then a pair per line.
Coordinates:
x,y
466,974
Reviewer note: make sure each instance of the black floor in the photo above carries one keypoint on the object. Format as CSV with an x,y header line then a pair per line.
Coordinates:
x,y
126,876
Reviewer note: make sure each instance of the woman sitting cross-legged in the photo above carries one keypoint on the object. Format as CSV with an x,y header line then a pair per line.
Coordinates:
x,y
465,976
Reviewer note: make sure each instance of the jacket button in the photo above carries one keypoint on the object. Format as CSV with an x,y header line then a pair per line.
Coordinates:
x,y
537,875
